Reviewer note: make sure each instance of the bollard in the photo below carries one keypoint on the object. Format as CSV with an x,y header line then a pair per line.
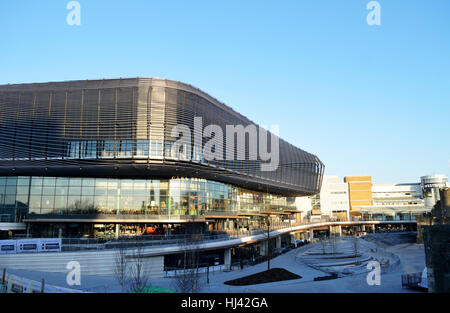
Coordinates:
x,y
3,276
42,285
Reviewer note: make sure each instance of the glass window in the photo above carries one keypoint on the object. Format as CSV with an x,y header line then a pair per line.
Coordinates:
x,y
36,181
108,149
11,190
62,181
156,148
61,191
48,190
35,204
88,149
75,182
87,205
73,150
49,181
47,202
169,153
60,203
11,181
112,203
22,200
142,148
87,191
73,203
101,187
140,188
10,199
124,149
36,190
88,182
74,191
101,203
126,204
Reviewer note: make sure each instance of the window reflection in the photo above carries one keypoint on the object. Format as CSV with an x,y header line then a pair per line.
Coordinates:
x,y
177,196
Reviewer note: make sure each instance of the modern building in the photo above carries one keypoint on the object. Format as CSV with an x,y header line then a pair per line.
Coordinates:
x,y
101,158
394,201
360,193
430,187
332,201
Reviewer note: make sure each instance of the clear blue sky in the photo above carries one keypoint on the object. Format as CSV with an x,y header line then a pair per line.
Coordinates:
x,y
368,100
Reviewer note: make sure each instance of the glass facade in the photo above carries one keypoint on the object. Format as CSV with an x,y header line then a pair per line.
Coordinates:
x,y
111,196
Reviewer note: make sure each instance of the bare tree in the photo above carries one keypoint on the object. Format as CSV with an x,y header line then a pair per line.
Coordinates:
x,y
138,276
324,244
355,245
333,243
120,265
187,279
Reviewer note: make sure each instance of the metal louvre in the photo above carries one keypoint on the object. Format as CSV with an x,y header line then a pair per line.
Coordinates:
x,y
122,127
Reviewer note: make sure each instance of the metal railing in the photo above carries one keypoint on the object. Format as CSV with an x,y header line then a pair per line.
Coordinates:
x,y
77,244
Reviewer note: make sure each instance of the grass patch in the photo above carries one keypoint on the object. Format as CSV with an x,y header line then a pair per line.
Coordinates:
x,y
270,276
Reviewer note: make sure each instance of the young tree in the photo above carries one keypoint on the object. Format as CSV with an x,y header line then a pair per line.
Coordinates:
x,y
138,275
187,279
333,244
120,265
323,242
355,245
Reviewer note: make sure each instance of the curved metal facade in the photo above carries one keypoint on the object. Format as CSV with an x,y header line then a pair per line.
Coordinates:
x,y
122,128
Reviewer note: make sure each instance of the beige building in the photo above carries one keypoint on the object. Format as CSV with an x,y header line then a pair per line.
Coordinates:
x,y
359,192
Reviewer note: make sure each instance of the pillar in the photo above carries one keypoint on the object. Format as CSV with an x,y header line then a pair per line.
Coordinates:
x,y
293,241
227,259
117,231
310,235
278,246
363,227
262,248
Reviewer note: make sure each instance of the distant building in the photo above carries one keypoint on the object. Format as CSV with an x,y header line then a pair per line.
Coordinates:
x,y
358,197
360,193
394,202
430,187
332,201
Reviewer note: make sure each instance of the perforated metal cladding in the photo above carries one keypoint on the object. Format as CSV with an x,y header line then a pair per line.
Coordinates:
x,y
128,122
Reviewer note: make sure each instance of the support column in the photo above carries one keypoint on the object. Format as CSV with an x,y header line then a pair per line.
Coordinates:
x,y
363,227
278,246
338,230
262,248
293,241
116,235
227,259
310,235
